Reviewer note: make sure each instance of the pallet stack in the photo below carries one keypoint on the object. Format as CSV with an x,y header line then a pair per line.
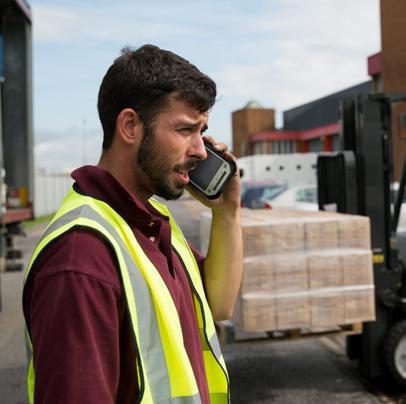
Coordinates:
x,y
310,271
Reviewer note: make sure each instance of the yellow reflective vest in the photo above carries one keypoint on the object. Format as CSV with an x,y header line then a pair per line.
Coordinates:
x,y
165,374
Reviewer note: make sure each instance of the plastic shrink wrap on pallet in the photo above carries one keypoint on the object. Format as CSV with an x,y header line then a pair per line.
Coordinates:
x,y
309,271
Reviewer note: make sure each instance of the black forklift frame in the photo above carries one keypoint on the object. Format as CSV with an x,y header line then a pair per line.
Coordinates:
x,y
358,181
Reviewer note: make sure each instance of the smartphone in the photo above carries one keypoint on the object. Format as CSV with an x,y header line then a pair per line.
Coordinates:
x,y
211,174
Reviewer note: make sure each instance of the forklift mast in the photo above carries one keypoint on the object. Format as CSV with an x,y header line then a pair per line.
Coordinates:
x,y
357,180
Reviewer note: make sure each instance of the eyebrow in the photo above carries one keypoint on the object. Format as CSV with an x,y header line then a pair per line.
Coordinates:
x,y
193,125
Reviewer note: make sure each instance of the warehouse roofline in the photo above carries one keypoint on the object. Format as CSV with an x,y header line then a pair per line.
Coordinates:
x,y
326,130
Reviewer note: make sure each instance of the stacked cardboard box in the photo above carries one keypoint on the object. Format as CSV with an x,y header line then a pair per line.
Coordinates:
x,y
302,270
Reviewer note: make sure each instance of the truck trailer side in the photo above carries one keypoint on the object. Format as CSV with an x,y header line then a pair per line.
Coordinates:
x,y
16,122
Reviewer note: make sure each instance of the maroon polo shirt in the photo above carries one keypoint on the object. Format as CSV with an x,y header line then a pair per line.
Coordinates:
x,y
74,304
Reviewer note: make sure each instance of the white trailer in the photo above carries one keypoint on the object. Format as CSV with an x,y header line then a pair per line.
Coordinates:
x,y
289,169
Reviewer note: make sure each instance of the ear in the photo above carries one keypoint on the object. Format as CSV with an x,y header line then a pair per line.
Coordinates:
x,y
129,126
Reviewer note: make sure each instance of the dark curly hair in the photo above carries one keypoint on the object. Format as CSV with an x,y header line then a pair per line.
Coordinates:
x,y
144,79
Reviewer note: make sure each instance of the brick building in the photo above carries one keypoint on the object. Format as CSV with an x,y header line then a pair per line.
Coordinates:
x,y
251,119
392,76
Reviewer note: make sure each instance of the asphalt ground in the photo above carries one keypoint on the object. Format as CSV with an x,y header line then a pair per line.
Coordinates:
x,y
12,343
314,370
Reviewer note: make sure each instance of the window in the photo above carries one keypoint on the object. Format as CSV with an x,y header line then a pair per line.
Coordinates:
x,y
272,191
306,195
254,196
275,147
378,83
244,149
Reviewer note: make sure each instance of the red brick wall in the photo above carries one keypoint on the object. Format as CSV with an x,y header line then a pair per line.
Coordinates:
x,y
393,33
248,121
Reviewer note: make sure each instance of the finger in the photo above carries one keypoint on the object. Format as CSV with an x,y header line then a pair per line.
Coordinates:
x,y
196,193
219,146
209,139
230,155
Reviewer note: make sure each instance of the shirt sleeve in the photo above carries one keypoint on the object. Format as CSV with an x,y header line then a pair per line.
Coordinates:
x,y
76,313
199,258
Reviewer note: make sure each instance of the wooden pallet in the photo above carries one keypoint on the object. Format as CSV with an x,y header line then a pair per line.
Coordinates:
x,y
227,334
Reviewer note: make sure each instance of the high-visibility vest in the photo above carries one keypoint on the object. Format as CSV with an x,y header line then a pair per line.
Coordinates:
x,y
164,371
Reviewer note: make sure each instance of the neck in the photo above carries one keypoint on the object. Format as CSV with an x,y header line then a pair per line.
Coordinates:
x,y
125,172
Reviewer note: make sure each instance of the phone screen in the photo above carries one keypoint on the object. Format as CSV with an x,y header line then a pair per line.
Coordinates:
x,y
206,170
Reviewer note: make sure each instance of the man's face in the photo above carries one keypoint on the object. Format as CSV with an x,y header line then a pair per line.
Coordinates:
x,y
171,148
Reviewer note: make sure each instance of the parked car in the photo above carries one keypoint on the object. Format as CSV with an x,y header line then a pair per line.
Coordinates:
x,y
253,195
298,198
269,196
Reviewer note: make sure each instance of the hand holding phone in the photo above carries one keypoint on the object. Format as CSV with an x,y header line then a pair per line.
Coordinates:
x,y
211,175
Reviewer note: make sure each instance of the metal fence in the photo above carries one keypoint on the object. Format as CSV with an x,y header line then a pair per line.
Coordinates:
x,y
49,191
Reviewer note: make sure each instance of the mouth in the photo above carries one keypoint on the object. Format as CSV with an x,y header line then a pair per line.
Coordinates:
x,y
183,174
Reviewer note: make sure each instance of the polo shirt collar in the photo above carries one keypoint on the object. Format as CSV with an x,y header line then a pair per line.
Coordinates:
x,y
102,185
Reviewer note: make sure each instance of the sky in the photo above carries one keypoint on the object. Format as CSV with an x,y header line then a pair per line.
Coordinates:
x,y
281,53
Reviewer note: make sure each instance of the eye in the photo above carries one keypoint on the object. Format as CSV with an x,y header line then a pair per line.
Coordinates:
x,y
185,130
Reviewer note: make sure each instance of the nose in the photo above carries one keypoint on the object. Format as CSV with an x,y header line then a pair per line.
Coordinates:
x,y
197,149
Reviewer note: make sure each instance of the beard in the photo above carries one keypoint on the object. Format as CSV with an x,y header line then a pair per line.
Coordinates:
x,y
157,168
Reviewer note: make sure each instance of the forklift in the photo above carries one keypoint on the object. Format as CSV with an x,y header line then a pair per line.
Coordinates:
x,y
359,180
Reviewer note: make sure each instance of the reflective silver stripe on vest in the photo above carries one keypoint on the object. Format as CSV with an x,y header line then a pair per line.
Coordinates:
x,y
215,346
186,400
150,339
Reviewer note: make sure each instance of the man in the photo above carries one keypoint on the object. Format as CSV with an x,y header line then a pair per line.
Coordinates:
x,y
118,307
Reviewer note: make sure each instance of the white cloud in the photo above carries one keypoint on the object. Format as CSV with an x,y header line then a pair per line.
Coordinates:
x,y
63,24
53,23
305,50
67,150
282,52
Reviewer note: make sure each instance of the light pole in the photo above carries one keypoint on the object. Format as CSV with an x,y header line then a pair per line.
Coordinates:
x,y
84,141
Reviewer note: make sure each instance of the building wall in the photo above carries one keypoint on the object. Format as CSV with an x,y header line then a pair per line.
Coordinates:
x,y
336,142
393,32
49,191
315,145
261,148
246,122
322,111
